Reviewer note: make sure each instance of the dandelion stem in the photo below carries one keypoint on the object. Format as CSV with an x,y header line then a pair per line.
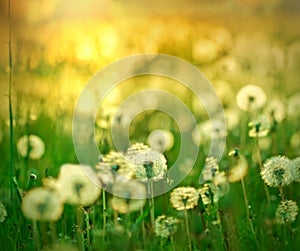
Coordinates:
x,y
36,237
245,197
220,227
243,133
143,228
52,226
151,202
249,217
87,222
10,82
104,213
258,152
260,167
281,193
187,230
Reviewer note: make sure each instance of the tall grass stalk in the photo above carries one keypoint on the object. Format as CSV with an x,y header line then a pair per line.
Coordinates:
x,y
87,225
187,230
36,236
104,212
249,217
10,108
151,202
143,227
261,166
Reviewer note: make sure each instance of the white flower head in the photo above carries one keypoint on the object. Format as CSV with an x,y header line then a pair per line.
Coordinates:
x,y
32,146
276,171
161,140
166,226
42,204
184,198
78,184
129,195
250,98
149,164
286,212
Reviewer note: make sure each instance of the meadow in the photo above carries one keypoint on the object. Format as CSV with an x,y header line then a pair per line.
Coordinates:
x,y
246,200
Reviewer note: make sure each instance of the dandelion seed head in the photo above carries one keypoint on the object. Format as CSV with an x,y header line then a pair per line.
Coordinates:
x,y
205,194
286,212
166,226
161,140
32,146
276,110
119,164
210,169
105,175
136,148
130,196
260,127
148,163
42,204
276,171
207,130
183,198
250,98
239,171
78,185
219,179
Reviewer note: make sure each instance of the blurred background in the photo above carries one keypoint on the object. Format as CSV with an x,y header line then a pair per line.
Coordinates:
x,y
58,45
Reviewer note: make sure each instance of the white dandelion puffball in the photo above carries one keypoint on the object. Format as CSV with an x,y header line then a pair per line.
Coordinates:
x,y
165,226
184,198
286,212
42,204
161,140
32,146
78,185
130,195
251,97
149,164
276,171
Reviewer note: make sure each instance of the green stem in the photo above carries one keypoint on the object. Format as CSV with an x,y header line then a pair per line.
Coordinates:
x,y
260,167
249,217
104,213
245,198
52,226
151,202
36,237
10,82
143,228
87,222
187,230
220,227
281,193
243,133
